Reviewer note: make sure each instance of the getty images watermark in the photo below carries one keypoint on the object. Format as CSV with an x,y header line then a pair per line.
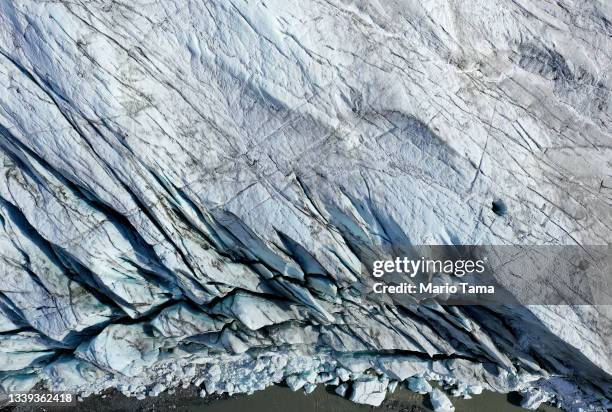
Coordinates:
x,y
415,267
477,275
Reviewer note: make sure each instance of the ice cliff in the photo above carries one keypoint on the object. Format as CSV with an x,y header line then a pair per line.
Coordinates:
x,y
190,189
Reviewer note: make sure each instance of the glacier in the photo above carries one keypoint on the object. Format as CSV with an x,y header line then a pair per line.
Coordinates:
x,y
190,190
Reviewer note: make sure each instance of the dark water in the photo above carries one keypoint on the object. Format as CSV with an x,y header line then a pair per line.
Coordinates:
x,y
282,399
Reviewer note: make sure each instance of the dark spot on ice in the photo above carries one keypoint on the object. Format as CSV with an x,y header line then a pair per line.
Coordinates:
x,y
499,207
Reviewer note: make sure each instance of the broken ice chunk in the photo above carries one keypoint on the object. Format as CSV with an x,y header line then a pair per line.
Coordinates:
x,y
440,401
419,385
369,391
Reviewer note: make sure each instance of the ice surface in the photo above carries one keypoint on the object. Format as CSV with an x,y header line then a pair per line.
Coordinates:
x,y
190,191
